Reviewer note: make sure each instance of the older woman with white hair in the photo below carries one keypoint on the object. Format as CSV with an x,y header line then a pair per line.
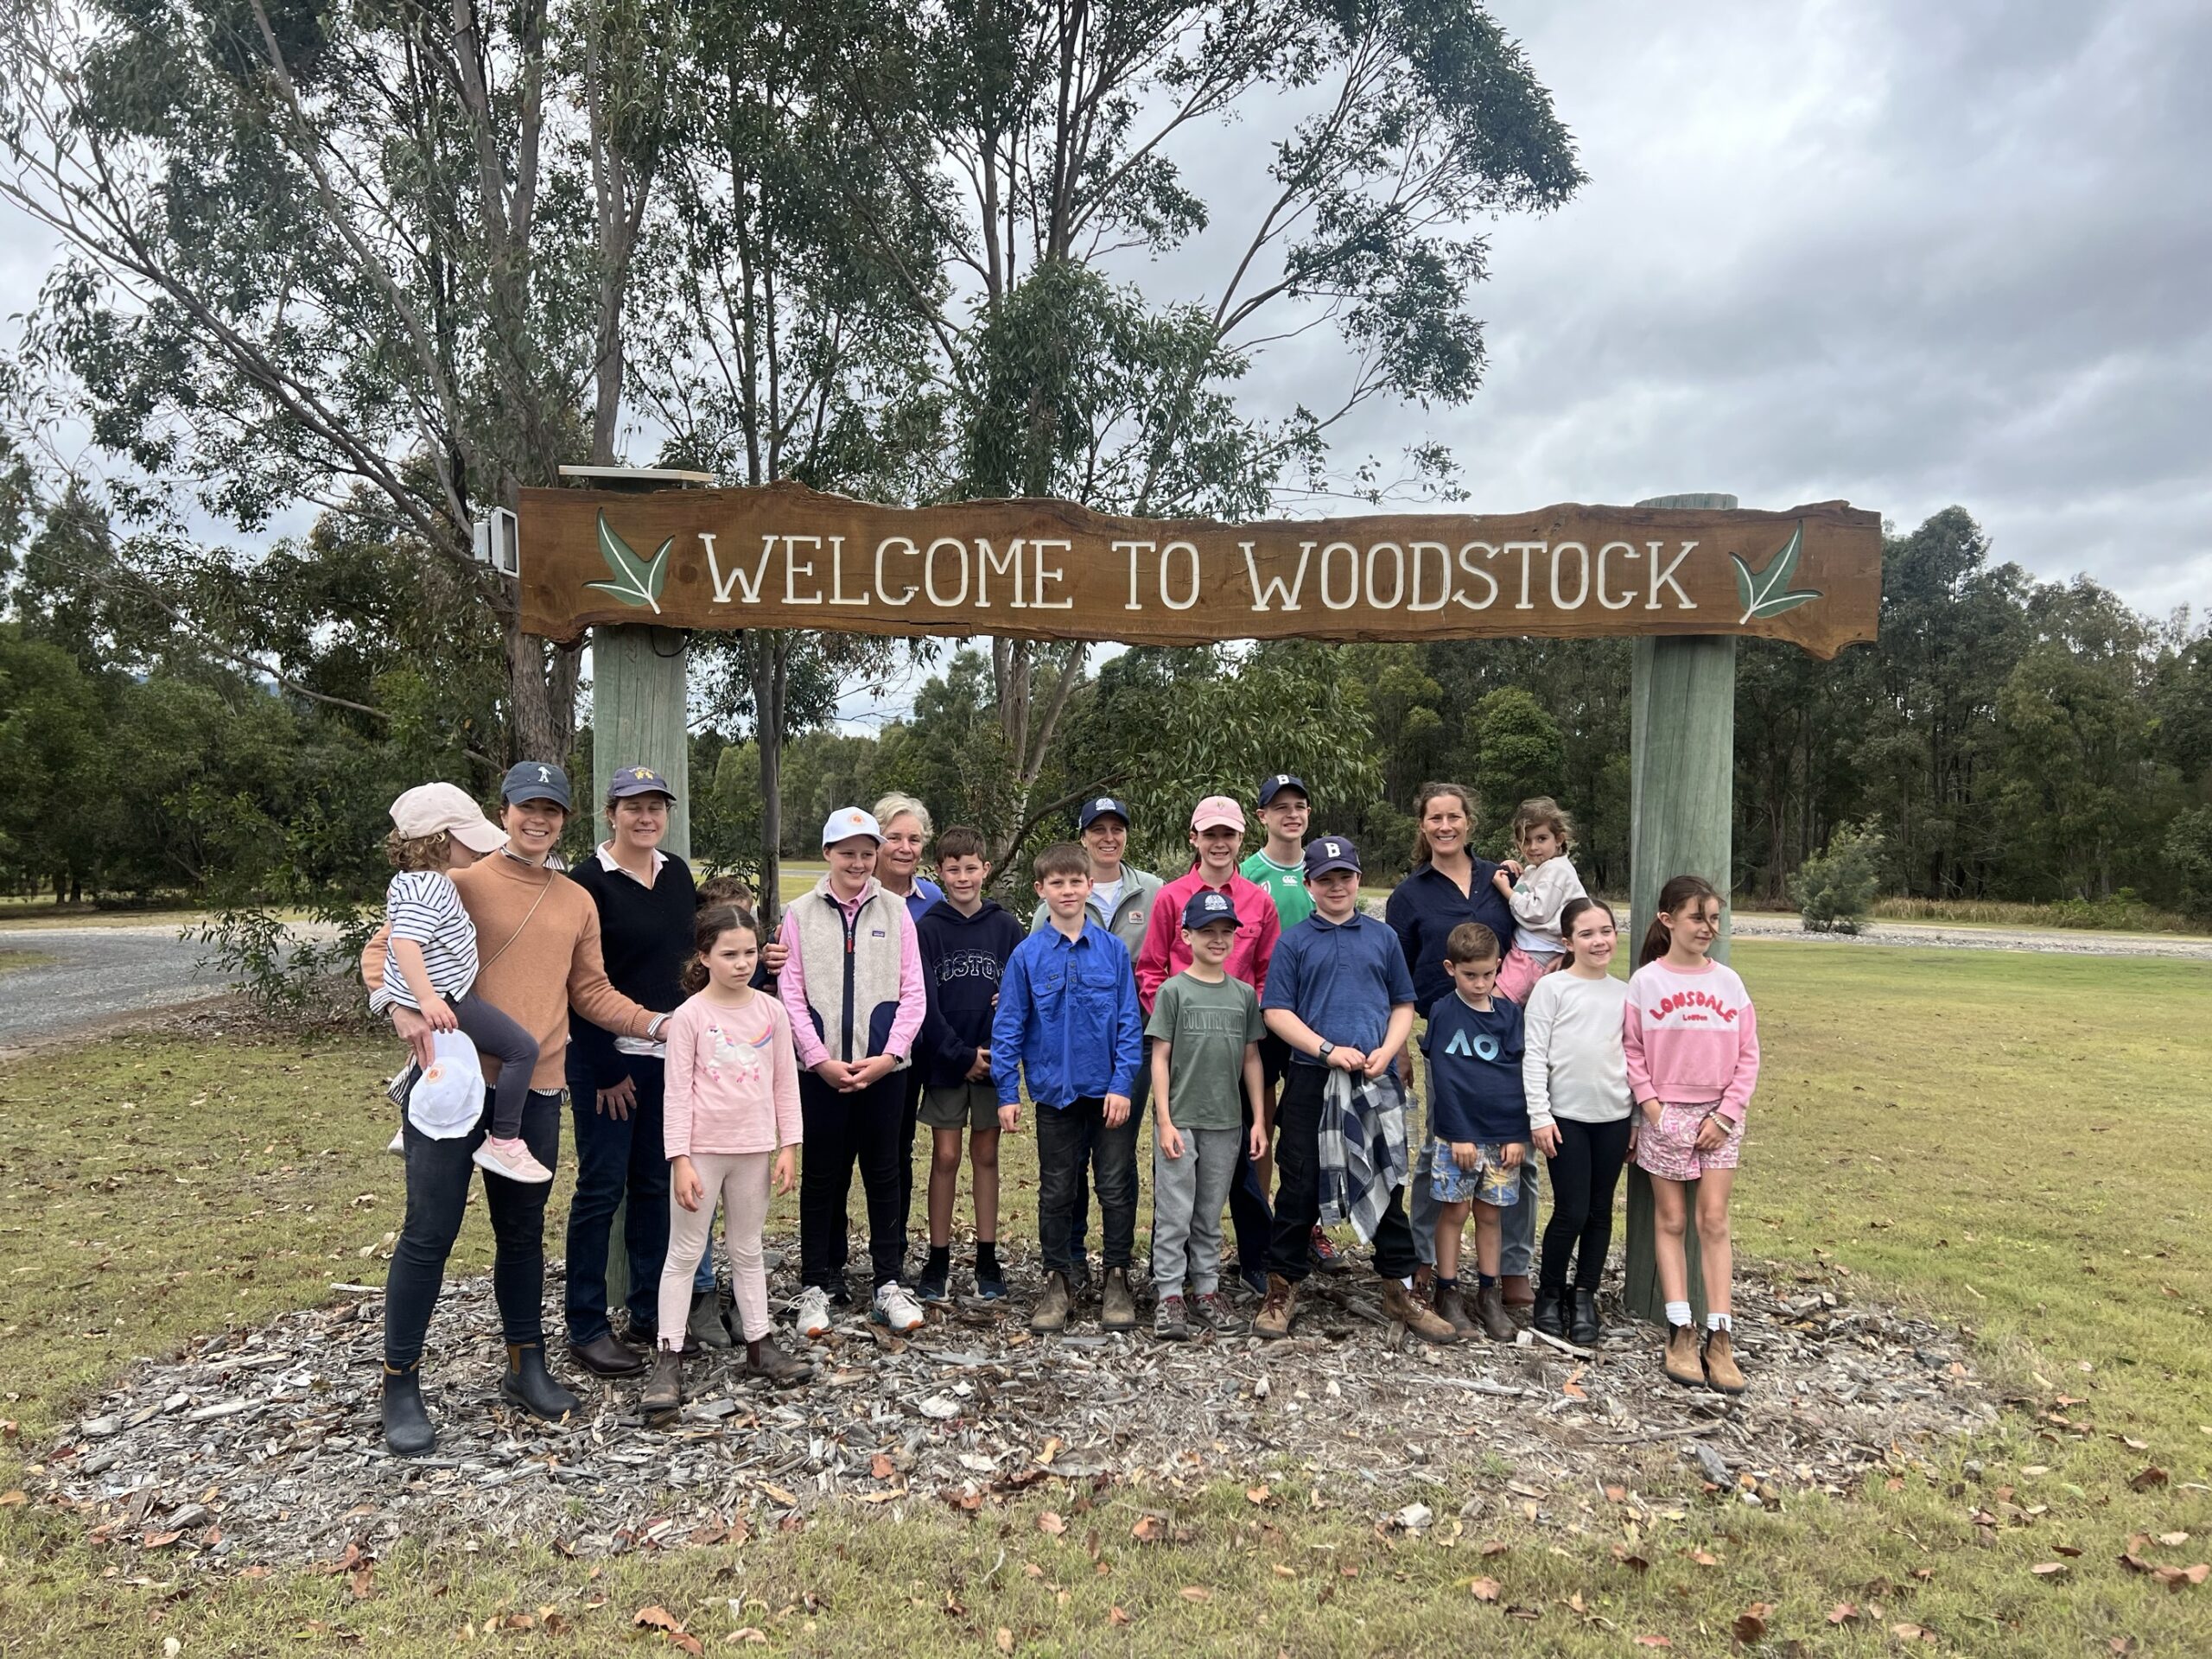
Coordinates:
x,y
907,832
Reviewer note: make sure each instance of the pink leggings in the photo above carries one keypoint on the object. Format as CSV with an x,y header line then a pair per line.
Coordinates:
x,y
1518,975
741,1179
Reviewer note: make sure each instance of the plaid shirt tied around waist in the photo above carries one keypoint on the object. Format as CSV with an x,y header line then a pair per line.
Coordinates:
x,y
1363,1157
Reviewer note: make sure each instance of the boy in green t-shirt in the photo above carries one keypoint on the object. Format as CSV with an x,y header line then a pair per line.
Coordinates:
x,y
1205,1031
1279,864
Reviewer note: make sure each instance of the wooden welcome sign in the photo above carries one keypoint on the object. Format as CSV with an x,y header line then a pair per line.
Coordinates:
x,y
787,557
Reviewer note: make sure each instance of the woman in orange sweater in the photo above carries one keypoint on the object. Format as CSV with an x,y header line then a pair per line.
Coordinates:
x,y
537,936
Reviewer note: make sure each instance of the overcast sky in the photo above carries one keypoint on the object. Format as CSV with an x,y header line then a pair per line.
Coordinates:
x,y
1903,253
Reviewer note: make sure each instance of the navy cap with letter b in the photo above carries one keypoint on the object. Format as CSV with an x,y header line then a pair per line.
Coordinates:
x,y
1271,787
1330,853
1098,807
536,780
1208,904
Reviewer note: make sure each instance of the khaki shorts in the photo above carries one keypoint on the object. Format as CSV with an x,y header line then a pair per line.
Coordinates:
x,y
962,1106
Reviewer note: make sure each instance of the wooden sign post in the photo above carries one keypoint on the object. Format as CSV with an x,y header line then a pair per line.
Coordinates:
x,y
1685,575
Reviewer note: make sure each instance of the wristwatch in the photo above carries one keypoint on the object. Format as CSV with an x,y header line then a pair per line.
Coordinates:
x,y
1323,1052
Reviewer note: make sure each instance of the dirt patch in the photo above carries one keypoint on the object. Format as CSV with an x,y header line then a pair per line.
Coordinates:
x,y
262,1446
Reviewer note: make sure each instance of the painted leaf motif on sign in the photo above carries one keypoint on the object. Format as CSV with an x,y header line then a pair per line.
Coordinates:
x,y
637,582
1767,593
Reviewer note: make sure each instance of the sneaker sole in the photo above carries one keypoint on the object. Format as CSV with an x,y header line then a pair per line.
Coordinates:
x,y
492,1166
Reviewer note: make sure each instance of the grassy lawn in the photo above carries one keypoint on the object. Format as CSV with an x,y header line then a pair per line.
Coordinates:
x,y
13,962
2012,1140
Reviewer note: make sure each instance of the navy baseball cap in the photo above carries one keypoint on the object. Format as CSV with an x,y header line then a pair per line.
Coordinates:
x,y
1270,788
536,780
1330,853
1208,904
1098,807
637,780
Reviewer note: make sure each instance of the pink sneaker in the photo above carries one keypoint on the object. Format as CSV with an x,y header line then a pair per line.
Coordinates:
x,y
511,1159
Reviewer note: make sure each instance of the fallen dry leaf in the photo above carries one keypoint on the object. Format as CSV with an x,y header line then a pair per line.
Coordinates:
x,y
1750,1623
1282,1571
1704,1559
1844,1612
1653,1642
1259,1495
1115,1616
1486,1589
1495,1546
1195,1592
779,1495
1909,1631
2048,1569
1005,1640
2146,1478
2173,1539
10,1500
1049,1523
880,1467
1149,1529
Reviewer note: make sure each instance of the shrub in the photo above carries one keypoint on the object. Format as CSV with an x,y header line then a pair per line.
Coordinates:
x,y
1835,888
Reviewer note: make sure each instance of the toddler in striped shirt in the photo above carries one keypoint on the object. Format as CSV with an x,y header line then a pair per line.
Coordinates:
x,y
431,963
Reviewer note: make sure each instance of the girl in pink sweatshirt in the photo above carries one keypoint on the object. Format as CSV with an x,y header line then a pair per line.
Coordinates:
x,y
1692,1044
731,1125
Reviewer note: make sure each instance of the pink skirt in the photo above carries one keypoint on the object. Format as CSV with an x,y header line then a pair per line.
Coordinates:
x,y
1518,974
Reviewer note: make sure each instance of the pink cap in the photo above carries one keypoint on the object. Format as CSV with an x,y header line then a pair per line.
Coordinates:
x,y
1217,811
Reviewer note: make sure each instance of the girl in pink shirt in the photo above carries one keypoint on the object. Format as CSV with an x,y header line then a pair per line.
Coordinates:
x,y
731,1126
1692,1043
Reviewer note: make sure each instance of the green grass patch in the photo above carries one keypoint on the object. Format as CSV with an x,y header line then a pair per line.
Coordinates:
x,y
2015,1141
14,961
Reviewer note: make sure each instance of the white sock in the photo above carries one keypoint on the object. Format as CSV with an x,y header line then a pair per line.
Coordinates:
x,y
1719,1322
1678,1313
1407,1281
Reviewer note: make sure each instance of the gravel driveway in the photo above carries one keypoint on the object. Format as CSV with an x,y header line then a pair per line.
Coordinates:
x,y
2060,941
95,975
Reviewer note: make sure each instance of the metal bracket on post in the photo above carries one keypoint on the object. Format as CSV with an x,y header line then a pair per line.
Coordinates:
x,y
1681,771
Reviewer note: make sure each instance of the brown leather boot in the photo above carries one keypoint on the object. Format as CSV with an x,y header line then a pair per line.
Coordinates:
x,y
1490,1308
1451,1308
663,1395
1424,1322
1517,1291
1053,1307
1681,1363
1117,1303
1273,1321
1722,1371
772,1365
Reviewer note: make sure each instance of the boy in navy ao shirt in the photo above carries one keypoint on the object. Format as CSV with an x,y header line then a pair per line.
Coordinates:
x,y
1067,1019
1478,1118
1339,993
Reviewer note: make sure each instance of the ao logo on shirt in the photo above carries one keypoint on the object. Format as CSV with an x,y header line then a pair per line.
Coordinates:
x,y
1483,1047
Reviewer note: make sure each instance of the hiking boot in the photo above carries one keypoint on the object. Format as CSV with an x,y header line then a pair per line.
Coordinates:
x,y
1254,1280
1053,1307
1586,1329
529,1385
896,1311
1722,1371
1399,1303
1681,1363
813,1317
1451,1308
1276,1313
936,1283
407,1428
1117,1307
1489,1313
1215,1309
663,1395
1169,1321
1550,1316
1516,1290
1327,1258
705,1328
511,1159
772,1365
607,1354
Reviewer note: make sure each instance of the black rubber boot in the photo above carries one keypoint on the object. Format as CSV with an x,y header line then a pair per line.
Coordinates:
x,y
1586,1329
407,1428
529,1385
1550,1316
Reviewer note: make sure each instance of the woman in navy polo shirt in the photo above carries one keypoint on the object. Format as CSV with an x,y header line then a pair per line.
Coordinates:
x,y
1448,885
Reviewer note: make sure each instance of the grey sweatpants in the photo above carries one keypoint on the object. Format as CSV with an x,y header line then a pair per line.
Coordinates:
x,y
1188,1195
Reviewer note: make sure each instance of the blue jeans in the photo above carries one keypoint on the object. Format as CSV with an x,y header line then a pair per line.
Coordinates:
x,y
617,1157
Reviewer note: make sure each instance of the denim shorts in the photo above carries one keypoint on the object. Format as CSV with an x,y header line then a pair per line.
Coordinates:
x,y
1490,1182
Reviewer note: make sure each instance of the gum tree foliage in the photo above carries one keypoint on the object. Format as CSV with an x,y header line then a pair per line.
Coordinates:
x,y
344,255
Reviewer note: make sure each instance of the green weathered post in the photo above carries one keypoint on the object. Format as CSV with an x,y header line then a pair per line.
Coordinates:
x,y
1681,782
639,704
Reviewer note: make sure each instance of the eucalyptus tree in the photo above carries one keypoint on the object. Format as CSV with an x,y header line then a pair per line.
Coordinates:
x,y
322,254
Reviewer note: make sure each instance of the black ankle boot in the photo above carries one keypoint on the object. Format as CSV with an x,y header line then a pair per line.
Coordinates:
x,y
1550,1314
407,1428
1585,1328
529,1385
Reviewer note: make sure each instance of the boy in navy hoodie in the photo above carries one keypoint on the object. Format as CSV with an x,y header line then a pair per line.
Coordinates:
x,y
1067,1018
966,939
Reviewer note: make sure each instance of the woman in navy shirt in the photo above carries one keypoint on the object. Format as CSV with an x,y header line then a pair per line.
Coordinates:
x,y
1448,885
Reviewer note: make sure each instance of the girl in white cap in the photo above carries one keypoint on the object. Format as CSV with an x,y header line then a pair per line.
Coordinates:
x,y
430,958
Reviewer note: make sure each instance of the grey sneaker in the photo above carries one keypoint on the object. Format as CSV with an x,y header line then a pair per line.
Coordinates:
x,y
1217,1310
1169,1322
813,1320
896,1311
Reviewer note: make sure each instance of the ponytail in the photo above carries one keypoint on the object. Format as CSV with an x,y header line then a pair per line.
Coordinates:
x,y
1679,890
1571,913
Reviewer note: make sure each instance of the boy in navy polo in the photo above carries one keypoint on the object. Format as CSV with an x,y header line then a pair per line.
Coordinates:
x,y
1067,1019
1478,1120
1339,994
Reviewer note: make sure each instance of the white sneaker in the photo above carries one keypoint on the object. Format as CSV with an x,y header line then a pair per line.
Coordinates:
x,y
813,1319
896,1309
398,1141
511,1159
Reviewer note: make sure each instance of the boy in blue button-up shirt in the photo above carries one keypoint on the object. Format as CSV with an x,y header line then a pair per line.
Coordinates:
x,y
1067,1018
1340,996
